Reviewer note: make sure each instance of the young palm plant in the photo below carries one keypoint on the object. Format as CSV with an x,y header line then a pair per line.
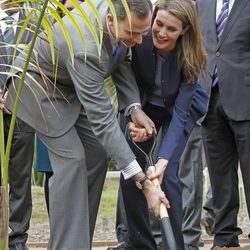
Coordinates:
x,y
40,16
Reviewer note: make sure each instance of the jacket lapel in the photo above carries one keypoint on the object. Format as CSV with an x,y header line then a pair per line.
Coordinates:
x,y
211,8
209,21
233,15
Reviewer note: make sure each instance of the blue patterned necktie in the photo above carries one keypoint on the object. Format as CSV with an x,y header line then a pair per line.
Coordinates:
x,y
118,52
8,34
220,25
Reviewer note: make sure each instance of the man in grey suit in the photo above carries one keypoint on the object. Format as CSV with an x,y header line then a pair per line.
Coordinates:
x,y
73,116
22,148
225,27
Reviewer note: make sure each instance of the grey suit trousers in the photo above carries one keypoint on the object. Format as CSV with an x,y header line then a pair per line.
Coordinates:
x,y
191,177
79,163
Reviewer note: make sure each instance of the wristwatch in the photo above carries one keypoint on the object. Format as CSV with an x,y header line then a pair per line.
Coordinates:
x,y
141,182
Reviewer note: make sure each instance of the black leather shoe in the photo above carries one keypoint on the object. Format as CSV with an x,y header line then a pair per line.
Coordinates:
x,y
233,243
223,247
121,246
18,246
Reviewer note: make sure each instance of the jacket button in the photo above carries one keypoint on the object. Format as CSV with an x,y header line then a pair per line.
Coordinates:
x,y
217,53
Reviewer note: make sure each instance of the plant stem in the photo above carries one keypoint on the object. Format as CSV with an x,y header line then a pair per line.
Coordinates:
x,y
2,145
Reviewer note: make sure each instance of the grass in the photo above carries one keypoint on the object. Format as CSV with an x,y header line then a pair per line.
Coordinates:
x,y
39,211
107,207
109,198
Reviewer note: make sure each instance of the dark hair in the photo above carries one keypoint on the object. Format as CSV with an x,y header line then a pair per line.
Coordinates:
x,y
142,8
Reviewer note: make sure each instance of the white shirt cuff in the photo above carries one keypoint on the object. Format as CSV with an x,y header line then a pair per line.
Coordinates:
x,y
132,169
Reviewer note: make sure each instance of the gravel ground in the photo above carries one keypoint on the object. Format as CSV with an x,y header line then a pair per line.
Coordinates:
x,y
105,228
105,231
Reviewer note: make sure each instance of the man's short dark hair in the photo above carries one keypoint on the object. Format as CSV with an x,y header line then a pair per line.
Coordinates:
x,y
142,8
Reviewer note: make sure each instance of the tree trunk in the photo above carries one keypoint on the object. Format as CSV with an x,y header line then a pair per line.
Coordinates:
x,y
4,218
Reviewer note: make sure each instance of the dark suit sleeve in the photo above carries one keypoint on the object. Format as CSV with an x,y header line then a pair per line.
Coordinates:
x,y
190,105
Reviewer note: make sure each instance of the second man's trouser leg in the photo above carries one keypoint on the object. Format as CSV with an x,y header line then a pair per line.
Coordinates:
x,y
191,177
171,187
121,220
21,161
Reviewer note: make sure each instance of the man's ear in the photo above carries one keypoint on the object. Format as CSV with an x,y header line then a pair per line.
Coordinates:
x,y
110,20
111,25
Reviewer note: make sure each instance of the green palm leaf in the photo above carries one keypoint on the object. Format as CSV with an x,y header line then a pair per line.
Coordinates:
x,y
89,24
66,34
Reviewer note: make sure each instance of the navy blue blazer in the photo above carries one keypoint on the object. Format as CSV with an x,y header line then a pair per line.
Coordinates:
x,y
185,102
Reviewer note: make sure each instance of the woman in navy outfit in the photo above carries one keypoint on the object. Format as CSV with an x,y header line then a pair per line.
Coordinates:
x,y
167,65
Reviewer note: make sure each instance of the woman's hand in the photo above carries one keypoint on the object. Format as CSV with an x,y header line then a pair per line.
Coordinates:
x,y
157,171
138,134
141,120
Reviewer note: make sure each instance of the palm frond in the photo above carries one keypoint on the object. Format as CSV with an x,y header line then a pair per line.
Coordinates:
x,y
88,23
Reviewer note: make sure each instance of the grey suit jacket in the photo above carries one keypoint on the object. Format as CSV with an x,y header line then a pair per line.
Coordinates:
x,y
231,55
52,107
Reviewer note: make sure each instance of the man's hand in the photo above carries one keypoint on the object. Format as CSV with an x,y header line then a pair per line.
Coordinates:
x,y
153,194
2,104
141,120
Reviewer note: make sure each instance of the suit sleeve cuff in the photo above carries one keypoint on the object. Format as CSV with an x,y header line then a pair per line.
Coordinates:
x,y
132,169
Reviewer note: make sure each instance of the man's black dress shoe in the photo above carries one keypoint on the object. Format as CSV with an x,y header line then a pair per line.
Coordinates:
x,y
121,246
18,246
233,243
223,247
